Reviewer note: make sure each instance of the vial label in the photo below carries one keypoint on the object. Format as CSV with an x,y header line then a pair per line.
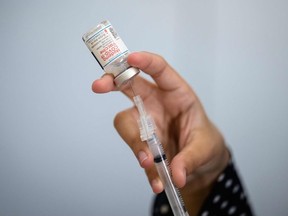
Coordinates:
x,y
105,45
110,52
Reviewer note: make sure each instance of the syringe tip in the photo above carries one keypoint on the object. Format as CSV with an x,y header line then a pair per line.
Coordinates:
x,y
146,123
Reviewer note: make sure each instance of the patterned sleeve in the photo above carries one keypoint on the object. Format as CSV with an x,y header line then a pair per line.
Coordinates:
x,y
227,197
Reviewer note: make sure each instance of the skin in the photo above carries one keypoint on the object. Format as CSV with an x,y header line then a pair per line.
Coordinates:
x,y
194,146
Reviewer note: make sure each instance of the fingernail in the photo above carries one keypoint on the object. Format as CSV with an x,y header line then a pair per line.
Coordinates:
x,y
157,185
142,156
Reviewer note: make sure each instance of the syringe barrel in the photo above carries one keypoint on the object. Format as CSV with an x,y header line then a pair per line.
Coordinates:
x,y
163,168
147,133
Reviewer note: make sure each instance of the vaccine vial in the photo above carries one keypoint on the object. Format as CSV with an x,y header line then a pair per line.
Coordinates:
x,y
110,52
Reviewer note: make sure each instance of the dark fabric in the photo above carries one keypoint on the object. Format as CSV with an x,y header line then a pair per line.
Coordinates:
x,y
161,206
226,198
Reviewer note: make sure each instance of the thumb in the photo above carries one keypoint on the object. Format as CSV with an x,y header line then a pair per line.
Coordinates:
x,y
188,161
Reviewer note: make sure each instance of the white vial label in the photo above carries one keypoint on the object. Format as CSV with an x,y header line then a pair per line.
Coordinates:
x,y
106,46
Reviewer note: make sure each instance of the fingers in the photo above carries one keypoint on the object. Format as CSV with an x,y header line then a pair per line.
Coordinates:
x,y
126,125
154,65
104,84
183,164
165,77
206,154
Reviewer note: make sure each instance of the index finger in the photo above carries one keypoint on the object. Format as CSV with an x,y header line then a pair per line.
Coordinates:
x,y
156,66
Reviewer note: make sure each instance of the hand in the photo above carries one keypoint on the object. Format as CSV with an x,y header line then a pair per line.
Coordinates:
x,y
193,145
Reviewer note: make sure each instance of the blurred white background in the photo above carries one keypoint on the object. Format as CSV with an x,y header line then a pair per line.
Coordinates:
x,y
59,152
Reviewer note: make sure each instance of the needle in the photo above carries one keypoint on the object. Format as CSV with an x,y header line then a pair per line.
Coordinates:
x,y
131,86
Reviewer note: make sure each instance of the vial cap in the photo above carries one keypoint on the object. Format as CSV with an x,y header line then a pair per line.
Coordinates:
x,y
125,76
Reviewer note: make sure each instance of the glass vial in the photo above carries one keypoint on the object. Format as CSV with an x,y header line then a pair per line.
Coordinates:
x,y
110,52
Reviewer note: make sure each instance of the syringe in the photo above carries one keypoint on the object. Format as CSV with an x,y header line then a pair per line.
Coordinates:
x,y
148,134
